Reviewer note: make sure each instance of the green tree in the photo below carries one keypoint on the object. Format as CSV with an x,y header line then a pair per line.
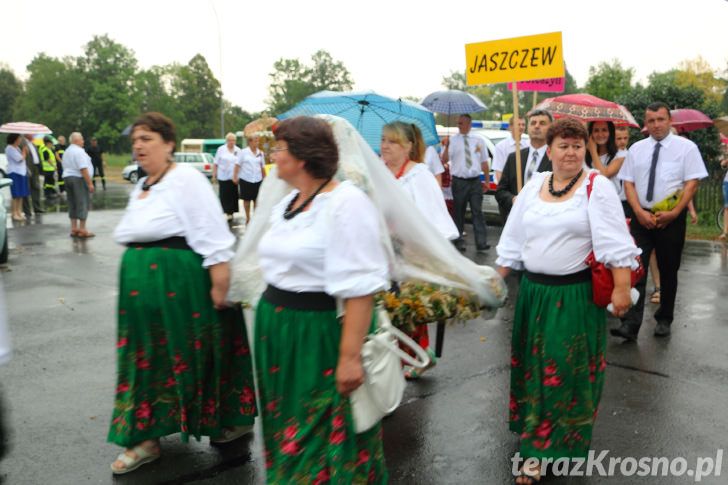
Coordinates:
x,y
609,80
10,91
292,81
53,94
663,88
110,72
198,93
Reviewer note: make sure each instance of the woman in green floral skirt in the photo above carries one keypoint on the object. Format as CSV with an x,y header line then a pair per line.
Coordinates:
x,y
323,243
559,334
184,364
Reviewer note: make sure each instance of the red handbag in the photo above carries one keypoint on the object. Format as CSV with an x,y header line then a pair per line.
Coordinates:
x,y
602,280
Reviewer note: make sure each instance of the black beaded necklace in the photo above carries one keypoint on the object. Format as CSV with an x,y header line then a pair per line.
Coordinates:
x,y
290,214
147,186
559,193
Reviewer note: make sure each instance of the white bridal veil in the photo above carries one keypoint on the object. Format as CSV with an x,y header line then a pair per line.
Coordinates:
x,y
415,248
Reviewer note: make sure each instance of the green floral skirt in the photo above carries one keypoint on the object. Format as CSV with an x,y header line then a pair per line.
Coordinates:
x,y
557,368
182,365
307,425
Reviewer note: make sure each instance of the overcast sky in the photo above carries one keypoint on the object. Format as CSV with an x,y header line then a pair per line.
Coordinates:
x,y
395,47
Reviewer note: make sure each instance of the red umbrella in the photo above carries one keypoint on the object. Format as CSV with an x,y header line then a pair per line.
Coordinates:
x,y
723,139
689,119
24,128
586,107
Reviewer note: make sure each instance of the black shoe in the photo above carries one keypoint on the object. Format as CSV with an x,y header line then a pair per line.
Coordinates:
x,y
662,329
40,211
484,248
624,331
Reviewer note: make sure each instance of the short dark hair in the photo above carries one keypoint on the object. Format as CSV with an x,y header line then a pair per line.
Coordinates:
x,y
311,140
622,128
657,105
158,123
541,112
566,128
10,139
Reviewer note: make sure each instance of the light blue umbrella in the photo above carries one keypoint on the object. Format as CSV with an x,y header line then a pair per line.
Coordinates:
x,y
368,112
452,101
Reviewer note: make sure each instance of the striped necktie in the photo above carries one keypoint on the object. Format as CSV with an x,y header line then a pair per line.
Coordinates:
x,y
531,166
468,156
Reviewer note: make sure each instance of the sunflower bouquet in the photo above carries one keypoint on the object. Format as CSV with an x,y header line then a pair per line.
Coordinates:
x,y
416,303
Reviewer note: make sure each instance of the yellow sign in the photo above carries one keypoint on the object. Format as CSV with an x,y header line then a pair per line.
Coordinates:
x,y
517,59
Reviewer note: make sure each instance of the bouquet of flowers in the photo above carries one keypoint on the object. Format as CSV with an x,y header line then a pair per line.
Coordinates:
x,y
418,303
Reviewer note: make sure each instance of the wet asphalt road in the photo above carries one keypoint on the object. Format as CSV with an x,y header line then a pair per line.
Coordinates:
x,y
662,397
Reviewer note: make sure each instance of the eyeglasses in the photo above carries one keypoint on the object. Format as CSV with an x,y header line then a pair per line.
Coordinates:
x,y
276,150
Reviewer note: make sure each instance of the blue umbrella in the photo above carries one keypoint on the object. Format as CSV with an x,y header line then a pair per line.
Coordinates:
x,y
452,101
368,112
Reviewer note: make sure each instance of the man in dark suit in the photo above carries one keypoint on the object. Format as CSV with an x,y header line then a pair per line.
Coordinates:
x,y
533,159
32,160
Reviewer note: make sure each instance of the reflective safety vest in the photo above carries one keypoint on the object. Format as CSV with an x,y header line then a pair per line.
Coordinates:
x,y
47,155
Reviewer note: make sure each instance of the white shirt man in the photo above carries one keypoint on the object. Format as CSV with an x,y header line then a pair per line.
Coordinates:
x,y
433,162
468,158
507,146
654,170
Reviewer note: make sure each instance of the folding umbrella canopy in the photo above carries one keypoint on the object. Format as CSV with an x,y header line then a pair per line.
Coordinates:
x,y
368,112
452,101
586,107
25,128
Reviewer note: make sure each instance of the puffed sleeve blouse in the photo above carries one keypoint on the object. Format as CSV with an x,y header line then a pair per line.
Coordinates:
x,y
422,187
181,204
333,247
556,237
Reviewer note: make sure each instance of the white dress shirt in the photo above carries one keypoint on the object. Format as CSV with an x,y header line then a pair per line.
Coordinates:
x,y
456,153
333,247
433,162
556,237
181,204
504,148
422,187
678,162
250,165
76,159
225,161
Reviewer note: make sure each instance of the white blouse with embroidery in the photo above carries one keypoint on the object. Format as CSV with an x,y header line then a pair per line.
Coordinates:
x,y
181,204
333,247
556,237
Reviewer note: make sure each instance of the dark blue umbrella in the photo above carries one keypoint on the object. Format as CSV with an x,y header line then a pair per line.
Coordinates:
x,y
452,101
368,112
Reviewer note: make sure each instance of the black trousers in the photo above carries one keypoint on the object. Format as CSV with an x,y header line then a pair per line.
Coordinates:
x,y
228,196
33,201
469,192
668,244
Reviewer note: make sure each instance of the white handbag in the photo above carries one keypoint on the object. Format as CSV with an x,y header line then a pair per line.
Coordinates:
x,y
384,381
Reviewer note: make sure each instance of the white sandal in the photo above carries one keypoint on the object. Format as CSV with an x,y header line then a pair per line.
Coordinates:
x,y
231,434
131,464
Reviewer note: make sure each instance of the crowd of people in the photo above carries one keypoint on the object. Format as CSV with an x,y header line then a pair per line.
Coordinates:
x,y
185,360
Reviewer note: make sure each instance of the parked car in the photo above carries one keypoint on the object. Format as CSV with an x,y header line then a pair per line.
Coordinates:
x,y
200,161
4,182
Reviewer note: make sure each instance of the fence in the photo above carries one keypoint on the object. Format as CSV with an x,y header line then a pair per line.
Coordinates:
x,y
709,196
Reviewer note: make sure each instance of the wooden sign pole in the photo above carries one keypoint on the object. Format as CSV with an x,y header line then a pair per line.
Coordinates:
x,y
517,137
535,98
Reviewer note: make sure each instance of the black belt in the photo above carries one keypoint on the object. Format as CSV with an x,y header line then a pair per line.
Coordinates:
x,y
469,178
175,242
559,280
314,301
